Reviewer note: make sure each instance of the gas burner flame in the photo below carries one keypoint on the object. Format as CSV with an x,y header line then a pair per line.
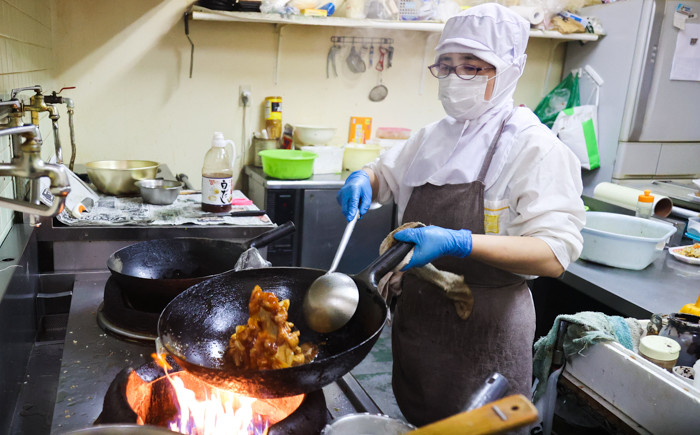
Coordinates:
x,y
218,413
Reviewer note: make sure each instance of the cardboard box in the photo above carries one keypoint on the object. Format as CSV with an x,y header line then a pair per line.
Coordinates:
x,y
360,129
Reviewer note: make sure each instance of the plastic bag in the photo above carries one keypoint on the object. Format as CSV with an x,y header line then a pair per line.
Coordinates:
x,y
251,259
565,95
577,127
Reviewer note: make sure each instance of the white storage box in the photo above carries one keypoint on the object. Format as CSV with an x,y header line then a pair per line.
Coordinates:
x,y
358,155
329,160
650,396
623,241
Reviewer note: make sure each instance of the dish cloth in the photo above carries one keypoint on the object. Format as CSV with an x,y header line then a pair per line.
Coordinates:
x,y
453,284
586,329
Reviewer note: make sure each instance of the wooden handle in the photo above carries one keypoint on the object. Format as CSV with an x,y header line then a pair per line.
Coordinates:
x,y
496,417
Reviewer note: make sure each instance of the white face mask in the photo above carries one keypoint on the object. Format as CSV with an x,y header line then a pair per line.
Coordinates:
x,y
463,99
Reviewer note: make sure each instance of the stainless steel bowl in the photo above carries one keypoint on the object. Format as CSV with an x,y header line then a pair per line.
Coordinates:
x,y
120,429
117,177
159,192
367,424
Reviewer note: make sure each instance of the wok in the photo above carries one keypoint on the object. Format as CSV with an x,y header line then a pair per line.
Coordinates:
x,y
153,272
196,326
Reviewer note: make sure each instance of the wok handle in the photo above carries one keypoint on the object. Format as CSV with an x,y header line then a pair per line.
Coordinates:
x,y
265,239
383,265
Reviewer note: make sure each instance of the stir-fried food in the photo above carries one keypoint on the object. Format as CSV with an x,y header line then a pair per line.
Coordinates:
x,y
268,341
690,251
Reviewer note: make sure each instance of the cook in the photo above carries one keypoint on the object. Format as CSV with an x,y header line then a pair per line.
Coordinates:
x,y
501,198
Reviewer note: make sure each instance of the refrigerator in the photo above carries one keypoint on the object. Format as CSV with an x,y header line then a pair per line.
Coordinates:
x,y
648,124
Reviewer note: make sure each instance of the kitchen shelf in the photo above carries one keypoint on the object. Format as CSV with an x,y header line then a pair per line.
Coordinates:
x,y
204,14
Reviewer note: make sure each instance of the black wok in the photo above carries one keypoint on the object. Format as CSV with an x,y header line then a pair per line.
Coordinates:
x,y
196,326
153,272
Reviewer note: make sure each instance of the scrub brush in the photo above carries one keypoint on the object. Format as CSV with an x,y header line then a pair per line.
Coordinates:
x,y
693,309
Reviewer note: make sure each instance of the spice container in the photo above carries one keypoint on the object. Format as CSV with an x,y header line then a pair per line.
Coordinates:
x,y
273,117
662,351
645,205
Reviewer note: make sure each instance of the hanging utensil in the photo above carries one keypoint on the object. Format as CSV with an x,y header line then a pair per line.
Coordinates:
x,y
333,297
379,92
330,60
355,62
390,56
371,54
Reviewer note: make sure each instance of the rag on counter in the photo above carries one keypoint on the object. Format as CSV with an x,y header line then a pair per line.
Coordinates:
x,y
454,286
586,329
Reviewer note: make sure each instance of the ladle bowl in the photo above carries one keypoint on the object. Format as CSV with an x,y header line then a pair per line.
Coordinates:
x,y
332,298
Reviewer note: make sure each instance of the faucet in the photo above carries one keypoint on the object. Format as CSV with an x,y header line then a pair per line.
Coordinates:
x,y
54,98
29,165
37,105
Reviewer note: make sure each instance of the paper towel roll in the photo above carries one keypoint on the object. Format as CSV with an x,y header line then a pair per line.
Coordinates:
x,y
533,14
627,197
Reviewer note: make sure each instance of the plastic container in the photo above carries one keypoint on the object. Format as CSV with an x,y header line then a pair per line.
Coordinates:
x,y
313,134
645,205
627,242
392,133
357,155
288,164
662,351
261,145
217,176
329,160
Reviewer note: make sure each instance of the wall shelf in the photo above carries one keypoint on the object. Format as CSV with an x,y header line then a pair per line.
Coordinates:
x,y
204,14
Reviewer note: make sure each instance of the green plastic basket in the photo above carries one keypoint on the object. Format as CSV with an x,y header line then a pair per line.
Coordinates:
x,y
288,164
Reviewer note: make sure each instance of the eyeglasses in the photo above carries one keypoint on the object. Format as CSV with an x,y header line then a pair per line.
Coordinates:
x,y
464,72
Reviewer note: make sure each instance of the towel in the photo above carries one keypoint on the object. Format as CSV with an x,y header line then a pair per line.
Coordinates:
x,y
453,285
586,329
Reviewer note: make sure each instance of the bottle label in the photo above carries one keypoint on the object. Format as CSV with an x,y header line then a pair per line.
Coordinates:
x,y
217,191
273,109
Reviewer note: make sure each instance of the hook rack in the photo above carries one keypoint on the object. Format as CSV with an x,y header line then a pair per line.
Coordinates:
x,y
361,40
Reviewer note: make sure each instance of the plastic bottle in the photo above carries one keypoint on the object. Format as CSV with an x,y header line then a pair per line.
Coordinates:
x,y
645,205
273,117
217,176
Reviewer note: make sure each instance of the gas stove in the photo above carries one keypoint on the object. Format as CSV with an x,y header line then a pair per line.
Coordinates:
x,y
94,359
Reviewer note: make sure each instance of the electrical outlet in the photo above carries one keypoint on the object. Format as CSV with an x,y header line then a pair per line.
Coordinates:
x,y
244,95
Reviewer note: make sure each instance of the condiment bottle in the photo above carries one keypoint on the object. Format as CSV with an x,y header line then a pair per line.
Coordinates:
x,y
645,205
273,117
217,176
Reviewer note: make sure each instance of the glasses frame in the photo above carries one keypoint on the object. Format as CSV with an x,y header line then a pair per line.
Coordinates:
x,y
453,69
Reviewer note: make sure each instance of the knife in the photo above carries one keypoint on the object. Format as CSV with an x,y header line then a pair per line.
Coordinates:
x,y
241,213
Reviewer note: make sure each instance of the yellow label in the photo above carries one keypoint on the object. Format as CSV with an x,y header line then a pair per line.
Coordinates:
x,y
491,223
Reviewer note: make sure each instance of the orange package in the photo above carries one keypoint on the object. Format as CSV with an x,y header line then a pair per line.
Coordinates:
x,y
360,129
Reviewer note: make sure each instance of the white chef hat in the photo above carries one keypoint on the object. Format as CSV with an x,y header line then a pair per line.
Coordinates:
x,y
492,33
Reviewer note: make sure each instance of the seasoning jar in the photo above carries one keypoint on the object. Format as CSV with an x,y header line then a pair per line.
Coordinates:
x,y
645,205
662,351
273,117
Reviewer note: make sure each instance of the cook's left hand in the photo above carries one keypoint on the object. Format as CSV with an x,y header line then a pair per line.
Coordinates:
x,y
433,242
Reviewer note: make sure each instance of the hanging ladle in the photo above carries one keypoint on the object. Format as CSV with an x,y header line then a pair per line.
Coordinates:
x,y
332,298
355,62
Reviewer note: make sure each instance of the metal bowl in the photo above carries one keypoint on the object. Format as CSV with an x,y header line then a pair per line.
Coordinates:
x,y
159,192
369,424
117,177
121,429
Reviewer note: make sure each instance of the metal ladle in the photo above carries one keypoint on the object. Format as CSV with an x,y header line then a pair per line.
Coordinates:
x,y
332,298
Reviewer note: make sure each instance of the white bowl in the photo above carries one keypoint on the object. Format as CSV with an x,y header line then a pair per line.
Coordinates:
x,y
314,134
627,242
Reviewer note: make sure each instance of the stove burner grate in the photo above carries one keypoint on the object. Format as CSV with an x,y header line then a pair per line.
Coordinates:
x,y
117,315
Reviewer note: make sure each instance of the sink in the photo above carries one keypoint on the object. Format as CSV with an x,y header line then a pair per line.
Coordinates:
x,y
650,396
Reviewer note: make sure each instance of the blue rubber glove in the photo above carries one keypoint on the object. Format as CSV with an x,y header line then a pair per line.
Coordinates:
x,y
355,195
433,242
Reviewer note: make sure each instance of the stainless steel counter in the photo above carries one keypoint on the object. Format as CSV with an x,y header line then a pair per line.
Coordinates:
x,y
320,181
663,287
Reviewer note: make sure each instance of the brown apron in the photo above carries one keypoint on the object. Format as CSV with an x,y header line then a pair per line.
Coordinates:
x,y
439,359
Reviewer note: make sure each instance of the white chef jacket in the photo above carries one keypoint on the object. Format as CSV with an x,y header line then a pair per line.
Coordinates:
x,y
535,190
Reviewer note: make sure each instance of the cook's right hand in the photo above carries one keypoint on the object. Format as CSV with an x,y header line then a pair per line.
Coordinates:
x,y
355,195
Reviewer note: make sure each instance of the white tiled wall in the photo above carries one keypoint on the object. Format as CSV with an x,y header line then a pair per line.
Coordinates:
x,y
26,57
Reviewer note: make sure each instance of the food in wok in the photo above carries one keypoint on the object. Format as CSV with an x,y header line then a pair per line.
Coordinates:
x,y
268,340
